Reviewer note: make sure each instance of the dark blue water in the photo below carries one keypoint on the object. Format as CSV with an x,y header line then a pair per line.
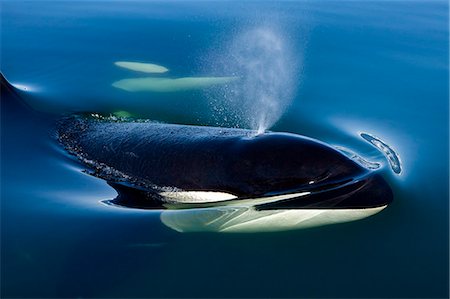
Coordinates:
x,y
379,67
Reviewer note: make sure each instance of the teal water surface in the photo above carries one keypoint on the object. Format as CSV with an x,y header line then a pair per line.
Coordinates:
x,y
379,67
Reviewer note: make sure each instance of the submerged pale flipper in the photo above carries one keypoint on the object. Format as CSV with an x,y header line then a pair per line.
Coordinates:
x,y
142,67
170,85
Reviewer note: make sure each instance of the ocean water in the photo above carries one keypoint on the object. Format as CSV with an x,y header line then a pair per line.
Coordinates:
x,y
334,69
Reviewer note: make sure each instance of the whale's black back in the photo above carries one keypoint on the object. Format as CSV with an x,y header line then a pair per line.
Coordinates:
x,y
205,158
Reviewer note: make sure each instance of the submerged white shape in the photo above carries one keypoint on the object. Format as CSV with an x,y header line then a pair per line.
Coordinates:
x,y
247,219
197,196
142,67
170,85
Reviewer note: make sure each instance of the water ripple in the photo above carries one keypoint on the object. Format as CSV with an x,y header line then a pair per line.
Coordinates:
x,y
392,157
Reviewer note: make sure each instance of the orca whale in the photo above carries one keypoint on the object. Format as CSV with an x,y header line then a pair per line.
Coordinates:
x,y
222,179
153,164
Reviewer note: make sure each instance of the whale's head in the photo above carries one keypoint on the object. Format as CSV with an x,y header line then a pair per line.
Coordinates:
x,y
274,162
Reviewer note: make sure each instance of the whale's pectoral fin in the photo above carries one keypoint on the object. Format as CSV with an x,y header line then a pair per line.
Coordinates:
x,y
131,196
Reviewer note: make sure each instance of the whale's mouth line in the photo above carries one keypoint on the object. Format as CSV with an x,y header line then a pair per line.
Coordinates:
x,y
360,193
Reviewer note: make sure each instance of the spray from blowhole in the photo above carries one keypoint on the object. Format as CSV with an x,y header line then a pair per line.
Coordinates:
x,y
264,63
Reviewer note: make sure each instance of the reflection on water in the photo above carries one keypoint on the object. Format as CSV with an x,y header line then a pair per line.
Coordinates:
x,y
388,152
